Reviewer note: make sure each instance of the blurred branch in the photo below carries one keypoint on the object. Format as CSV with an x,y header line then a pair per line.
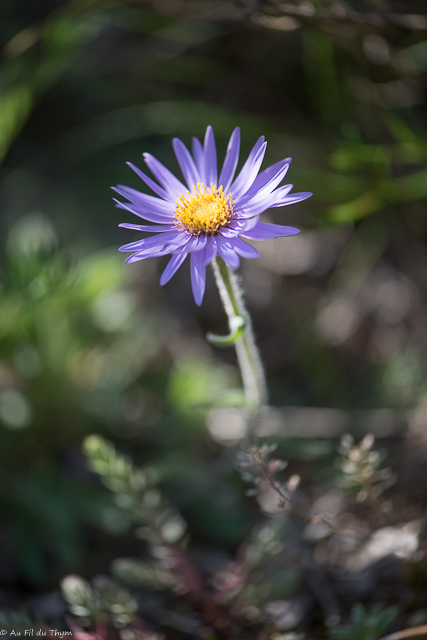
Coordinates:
x,y
407,633
378,14
320,422
255,467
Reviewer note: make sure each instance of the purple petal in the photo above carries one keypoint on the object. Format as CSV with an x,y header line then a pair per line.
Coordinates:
x,y
248,174
268,188
238,226
173,265
198,156
210,163
152,228
151,216
257,205
211,249
265,231
281,200
231,159
196,243
149,182
229,232
198,275
153,250
146,243
186,162
171,184
227,253
181,242
244,249
142,200
152,253
249,223
266,175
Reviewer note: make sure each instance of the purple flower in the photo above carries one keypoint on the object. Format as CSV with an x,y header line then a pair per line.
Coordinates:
x,y
214,215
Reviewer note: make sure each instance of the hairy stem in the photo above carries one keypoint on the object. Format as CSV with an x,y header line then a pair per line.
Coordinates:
x,y
247,352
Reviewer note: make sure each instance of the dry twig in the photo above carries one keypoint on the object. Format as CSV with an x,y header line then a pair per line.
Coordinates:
x,y
407,633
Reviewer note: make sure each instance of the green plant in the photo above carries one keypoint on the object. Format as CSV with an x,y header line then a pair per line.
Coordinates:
x,y
364,624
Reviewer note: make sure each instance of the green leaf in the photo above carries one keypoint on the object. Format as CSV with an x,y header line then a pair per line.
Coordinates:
x,y
237,326
412,187
15,107
360,207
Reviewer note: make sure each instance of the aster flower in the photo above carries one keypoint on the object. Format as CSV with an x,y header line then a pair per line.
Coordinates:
x,y
211,215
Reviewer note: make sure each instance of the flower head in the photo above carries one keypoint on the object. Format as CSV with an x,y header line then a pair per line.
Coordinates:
x,y
212,215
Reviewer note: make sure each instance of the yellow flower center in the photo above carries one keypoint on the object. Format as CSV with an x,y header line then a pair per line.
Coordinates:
x,y
205,212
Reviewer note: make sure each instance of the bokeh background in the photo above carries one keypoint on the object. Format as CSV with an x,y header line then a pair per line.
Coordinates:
x,y
90,345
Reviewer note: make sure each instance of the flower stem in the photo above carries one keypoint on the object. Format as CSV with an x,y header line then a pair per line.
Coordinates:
x,y
246,349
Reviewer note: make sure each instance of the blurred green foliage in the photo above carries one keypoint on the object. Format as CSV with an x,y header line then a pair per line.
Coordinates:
x,y
105,601
365,625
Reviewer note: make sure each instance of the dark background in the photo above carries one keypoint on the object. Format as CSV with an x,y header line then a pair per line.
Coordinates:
x,y
90,345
